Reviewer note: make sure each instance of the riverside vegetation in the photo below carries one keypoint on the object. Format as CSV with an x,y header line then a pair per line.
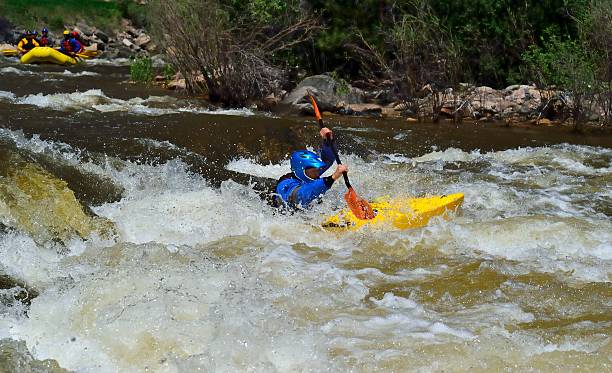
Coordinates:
x,y
423,57
252,48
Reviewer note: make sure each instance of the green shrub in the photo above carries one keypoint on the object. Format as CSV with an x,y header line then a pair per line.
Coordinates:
x,y
343,86
141,70
568,65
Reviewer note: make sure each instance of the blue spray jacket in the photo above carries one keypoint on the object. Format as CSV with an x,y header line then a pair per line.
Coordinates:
x,y
295,192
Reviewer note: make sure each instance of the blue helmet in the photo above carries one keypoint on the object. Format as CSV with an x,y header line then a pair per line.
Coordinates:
x,y
45,31
303,159
34,32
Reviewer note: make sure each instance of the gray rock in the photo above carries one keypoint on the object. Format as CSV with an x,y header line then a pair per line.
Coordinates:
x,y
142,40
330,94
102,36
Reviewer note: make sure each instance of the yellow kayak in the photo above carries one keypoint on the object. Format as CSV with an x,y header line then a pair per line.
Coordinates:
x,y
403,213
47,55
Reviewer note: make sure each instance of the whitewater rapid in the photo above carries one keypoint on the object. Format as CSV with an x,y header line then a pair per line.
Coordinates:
x,y
213,279
121,250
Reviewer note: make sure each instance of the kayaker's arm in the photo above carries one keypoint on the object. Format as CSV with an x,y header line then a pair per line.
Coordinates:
x,y
20,46
327,151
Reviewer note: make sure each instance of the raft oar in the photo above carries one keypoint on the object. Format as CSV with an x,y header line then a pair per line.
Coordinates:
x,y
10,52
359,206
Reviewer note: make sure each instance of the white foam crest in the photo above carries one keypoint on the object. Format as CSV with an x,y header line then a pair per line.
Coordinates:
x,y
181,209
65,73
250,167
22,259
576,247
109,62
449,155
65,101
485,316
168,310
69,73
12,310
8,96
404,320
15,71
567,157
396,159
241,112
95,99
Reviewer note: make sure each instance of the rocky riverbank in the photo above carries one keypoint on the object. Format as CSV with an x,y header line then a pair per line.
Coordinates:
x,y
513,104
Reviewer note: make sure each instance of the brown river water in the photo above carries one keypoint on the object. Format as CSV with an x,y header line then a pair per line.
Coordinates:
x,y
133,239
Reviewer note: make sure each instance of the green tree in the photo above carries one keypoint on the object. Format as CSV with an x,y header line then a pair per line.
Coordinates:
x,y
565,64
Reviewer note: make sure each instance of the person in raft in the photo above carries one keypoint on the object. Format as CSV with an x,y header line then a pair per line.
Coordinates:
x,y
70,46
44,38
305,184
28,42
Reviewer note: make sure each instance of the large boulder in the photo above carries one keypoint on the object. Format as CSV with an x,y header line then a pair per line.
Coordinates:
x,y
525,99
487,101
330,94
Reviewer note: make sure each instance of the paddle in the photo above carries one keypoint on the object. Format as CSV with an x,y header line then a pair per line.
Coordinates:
x,y
359,206
10,52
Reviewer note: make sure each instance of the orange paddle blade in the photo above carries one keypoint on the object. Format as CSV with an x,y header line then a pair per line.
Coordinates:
x,y
314,105
359,206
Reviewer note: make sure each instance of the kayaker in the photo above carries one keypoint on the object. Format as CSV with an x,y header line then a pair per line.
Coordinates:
x,y
305,184
44,38
27,43
70,46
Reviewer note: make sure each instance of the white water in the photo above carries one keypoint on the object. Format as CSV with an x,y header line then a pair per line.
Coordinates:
x,y
66,73
95,100
213,279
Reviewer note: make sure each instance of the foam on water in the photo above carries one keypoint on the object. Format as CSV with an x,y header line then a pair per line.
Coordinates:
x,y
247,166
213,279
15,71
65,74
69,73
7,96
109,62
96,100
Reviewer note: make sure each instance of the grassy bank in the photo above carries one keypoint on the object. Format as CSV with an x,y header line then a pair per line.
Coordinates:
x,y
54,14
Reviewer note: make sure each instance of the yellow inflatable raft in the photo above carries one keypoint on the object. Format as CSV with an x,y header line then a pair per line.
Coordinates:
x,y
47,55
398,214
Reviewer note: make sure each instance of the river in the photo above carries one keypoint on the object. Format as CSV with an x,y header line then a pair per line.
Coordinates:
x,y
129,241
